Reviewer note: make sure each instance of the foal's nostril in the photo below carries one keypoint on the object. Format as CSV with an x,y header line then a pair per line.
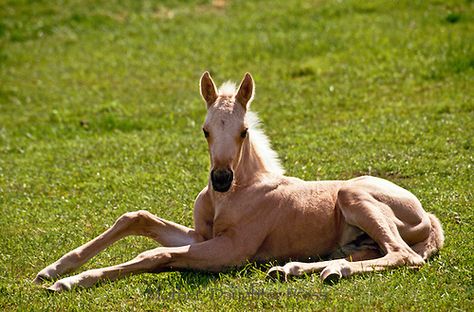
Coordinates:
x,y
221,179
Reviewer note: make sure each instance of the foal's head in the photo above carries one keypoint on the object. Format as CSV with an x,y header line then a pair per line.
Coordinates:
x,y
225,127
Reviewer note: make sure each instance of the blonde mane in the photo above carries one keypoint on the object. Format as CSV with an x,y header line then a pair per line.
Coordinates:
x,y
261,145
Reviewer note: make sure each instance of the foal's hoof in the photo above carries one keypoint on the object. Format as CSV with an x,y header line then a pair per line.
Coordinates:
x,y
41,277
278,273
331,275
59,286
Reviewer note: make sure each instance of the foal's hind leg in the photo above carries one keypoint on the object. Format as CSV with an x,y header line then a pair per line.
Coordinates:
x,y
133,223
377,220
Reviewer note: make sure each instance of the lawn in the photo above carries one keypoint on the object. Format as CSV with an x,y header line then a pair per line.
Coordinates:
x,y
100,114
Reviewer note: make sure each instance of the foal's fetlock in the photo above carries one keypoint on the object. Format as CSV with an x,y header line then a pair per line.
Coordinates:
x,y
61,285
46,274
414,262
83,280
294,269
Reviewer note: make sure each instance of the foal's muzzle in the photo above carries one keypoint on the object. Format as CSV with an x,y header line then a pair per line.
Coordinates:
x,y
221,179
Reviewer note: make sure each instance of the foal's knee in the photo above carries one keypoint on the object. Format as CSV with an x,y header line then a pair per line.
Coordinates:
x,y
151,259
134,219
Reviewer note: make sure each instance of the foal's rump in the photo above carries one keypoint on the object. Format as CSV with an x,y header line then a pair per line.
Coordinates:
x,y
420,230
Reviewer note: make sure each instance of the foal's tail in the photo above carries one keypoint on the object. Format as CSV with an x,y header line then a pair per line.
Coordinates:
x,y
434,242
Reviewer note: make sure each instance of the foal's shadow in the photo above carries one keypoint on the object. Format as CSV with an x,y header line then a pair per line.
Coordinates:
x,y
190,280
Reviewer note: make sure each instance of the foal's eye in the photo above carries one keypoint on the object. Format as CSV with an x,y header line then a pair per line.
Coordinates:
x,y
206,133
243,134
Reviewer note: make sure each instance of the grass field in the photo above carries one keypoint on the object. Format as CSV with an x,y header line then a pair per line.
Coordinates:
x,y
100,114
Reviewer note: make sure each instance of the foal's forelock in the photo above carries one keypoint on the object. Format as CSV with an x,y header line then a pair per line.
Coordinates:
x,y
227,89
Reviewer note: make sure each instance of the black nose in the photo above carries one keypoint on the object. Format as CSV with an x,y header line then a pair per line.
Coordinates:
x,y
221,179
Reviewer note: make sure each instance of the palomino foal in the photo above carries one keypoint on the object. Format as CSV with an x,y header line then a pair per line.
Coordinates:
x,y
250,211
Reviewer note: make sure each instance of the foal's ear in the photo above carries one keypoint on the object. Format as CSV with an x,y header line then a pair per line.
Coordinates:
x,y
246,90
208,89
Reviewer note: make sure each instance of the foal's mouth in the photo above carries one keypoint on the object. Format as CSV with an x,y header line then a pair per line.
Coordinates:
x,y
221,179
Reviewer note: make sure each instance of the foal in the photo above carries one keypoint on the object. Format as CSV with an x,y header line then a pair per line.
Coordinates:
x,y
250,211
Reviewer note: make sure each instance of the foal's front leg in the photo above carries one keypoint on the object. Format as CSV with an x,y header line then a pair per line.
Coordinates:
x,y
140,222
210,255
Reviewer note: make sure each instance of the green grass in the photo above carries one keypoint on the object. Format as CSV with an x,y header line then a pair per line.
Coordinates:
x,y
100,114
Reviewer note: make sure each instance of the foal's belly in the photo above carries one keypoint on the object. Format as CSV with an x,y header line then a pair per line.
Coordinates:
x,y
307,224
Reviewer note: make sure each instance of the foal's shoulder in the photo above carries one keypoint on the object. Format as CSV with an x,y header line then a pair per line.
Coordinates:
x,y
203,214
203,199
